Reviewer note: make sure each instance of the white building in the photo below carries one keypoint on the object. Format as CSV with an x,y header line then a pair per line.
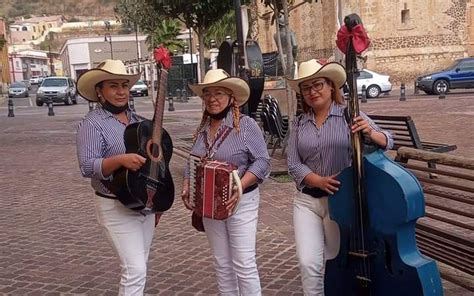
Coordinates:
x,y
28,63
81,54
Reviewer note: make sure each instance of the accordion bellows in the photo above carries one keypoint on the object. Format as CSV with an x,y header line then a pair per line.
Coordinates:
x,y
210,187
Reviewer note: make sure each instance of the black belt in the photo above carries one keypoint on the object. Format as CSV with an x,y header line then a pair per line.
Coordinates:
x,y
314,192
250,188
105,195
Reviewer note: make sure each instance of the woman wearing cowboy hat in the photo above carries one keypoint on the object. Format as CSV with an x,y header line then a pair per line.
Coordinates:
x,y
318,149
101,151
232,240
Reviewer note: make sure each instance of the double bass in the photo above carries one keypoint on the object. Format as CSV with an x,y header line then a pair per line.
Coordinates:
x,y
376,209
151,188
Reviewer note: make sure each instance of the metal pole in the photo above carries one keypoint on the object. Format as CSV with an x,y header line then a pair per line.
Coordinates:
x,y
191,51
240,38
138,49
111,50
13,67
402,92
50,61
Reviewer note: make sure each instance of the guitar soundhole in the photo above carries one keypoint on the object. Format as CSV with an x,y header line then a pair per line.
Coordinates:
x,y
155,150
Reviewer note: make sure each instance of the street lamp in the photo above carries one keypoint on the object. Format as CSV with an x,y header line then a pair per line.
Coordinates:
x,y
108,38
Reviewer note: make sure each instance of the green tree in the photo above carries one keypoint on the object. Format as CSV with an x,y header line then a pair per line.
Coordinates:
x,y
222,28
199,15
165,34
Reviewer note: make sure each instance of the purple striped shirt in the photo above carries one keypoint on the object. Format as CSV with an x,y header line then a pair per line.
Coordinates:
x,y
100,135
326,150
246,149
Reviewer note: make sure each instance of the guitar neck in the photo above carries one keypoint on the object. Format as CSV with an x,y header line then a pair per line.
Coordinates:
x,y
159,105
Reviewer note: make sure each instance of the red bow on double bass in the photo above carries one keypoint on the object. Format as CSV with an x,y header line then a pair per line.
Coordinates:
x,y
360,40
162,56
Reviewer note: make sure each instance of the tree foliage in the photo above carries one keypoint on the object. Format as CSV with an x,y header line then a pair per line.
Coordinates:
x,y
199,15
165,34
222,28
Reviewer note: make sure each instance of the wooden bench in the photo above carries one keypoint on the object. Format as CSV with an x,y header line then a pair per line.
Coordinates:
x,y
446,232
405,133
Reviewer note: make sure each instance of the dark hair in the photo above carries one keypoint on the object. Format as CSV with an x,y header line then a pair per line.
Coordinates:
x,y
100,84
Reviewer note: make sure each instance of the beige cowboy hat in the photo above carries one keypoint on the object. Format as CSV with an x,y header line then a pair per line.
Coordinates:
x,y
219,77
313,69
107,70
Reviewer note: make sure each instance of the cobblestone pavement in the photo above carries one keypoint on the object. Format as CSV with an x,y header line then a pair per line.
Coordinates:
x,y
50,243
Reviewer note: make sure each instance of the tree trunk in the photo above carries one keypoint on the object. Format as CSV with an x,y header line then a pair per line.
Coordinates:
x,y
202,65
288,49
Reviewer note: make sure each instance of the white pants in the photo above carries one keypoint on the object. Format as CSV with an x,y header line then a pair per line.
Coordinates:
x,y
233,246
130,234
317,239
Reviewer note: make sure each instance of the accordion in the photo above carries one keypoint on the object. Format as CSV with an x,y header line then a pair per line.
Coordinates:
x,y
210,187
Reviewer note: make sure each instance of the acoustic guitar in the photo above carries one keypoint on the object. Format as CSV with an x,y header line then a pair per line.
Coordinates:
x,y
150,188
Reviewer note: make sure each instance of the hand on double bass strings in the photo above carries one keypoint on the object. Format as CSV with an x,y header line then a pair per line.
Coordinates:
x,y
360,124
328,183
377,137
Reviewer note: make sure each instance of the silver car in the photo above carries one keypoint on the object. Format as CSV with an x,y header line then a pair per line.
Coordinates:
x,y
139,89
375,83
18,89
57,89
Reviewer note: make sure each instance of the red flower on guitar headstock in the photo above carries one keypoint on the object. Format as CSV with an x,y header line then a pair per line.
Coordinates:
x,y
162,57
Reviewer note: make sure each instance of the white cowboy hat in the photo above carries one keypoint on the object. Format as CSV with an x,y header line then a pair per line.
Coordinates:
x,y
107,70
313,69
219,77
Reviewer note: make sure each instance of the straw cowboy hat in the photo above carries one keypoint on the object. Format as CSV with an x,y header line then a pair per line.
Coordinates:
x,y
219,77
313,69
107,70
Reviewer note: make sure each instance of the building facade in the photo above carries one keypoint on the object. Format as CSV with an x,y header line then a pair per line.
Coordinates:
x,y
81,54
4,64
408,38
28,63
27,30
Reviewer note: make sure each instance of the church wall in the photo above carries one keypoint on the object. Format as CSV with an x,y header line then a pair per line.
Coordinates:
x,y
409,37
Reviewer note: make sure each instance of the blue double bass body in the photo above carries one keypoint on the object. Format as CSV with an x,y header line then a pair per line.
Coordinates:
x,y
394,201
376,209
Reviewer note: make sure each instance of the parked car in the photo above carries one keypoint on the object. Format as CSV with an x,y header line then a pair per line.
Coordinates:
x,y
18,89
139,89
375,84
59,89
34,80
459,75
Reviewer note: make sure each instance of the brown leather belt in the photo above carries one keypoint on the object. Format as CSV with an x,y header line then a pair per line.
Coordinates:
x,y
250,188
314,192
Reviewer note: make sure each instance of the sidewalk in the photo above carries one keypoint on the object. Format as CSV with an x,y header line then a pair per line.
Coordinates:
x,y
50,243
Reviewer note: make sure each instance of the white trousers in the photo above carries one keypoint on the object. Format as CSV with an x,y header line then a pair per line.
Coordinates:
x,y
130,234
317,239
233,247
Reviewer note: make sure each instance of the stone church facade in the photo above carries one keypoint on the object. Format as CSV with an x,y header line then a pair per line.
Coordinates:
x,y
409,37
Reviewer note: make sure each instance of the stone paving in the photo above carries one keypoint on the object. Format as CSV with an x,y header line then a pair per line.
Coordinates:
x,y
50,243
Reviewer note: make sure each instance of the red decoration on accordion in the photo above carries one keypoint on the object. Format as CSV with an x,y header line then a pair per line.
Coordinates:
x,y
162,56
211,185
